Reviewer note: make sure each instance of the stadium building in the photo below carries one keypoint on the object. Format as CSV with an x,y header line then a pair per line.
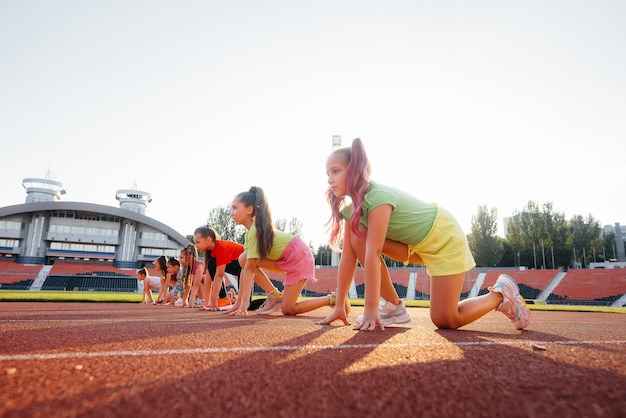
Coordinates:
x,y
50,236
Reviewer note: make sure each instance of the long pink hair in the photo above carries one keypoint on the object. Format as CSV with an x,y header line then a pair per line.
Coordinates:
x,y
357,181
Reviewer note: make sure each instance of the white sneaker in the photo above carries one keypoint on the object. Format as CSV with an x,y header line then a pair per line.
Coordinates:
x,y
271,305
390,314
179,302
513,304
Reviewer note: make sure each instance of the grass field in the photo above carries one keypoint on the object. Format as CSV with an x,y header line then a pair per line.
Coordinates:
x,y
117,297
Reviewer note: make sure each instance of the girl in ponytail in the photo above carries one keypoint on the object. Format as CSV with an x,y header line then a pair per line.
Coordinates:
x,y
370,219
274,250
221,257
150,283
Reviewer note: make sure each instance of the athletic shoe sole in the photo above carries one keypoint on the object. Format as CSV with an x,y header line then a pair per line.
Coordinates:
x,y
521,314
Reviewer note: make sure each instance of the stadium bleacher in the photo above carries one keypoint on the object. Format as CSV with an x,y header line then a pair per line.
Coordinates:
x,y
14,276
590,287
578,286
95,277
531,282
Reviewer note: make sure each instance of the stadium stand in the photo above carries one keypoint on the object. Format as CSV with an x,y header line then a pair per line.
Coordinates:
x,y
590,287
81,268
14,276
422,283
400,279
325,283
470,279
601,287
95,277
531,282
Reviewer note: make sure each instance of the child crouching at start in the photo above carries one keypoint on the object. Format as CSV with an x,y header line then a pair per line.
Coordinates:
x,y
150,283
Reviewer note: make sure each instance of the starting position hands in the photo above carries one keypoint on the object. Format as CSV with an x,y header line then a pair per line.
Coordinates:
x,y
371,319
338,314
239,308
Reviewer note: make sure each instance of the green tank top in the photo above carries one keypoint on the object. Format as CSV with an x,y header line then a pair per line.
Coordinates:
x,y
411,218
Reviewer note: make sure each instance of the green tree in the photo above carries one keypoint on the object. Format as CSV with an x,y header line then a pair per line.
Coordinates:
x,y
585,239
537,235
508,257
486,246
541,238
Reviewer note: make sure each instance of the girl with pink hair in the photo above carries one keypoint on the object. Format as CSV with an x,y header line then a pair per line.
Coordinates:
x,y
379,220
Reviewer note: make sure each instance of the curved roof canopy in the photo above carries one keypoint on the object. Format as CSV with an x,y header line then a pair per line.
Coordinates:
x,y
92,207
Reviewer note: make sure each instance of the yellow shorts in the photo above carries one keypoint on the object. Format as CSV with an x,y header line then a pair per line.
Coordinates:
x,y
444,251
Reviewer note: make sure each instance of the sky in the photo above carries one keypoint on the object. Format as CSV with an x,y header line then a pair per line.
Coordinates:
x,y
462,103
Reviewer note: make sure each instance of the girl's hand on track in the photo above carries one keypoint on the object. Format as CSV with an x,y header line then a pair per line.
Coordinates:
x,y
239,311
240,308
371,318
337,314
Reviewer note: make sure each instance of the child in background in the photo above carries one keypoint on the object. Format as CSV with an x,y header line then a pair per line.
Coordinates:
x,y
192,270
161,267
274,250
221,256
150,283
175,281
383,220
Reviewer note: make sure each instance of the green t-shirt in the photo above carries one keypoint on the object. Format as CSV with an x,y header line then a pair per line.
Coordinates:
x,y
411,219
281,240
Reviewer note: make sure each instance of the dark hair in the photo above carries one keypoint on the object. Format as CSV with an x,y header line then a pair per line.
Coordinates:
x,y
255,198
161,263
143,271
357,181
207,232
173,261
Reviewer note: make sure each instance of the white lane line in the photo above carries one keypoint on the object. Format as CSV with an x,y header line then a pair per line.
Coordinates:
x,y
237,350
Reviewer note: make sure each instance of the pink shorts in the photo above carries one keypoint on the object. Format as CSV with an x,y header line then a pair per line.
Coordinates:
x,y
297,262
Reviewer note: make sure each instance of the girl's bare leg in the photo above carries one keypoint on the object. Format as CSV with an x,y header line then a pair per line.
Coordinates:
x,y
194,292
445,309
290,304
207,291
387,291
201,292
264,282
161,294
260,278
345,275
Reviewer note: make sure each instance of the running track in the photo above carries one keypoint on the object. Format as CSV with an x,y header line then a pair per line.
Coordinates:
x,y
132,360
